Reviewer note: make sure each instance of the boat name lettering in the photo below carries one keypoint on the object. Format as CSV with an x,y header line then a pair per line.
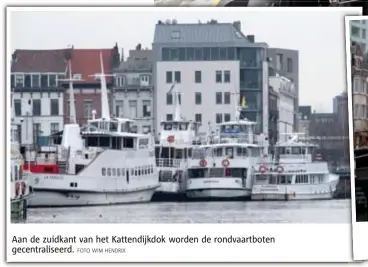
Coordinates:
x,y
210,181
54,177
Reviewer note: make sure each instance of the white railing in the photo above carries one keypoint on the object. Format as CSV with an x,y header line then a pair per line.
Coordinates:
x,y
172,163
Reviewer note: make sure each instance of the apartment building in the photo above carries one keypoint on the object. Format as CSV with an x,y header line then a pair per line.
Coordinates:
x,y
286,63
286,104
213,65
359,33
38,93
133,89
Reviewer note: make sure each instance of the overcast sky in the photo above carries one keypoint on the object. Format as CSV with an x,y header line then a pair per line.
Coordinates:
x,y
318,35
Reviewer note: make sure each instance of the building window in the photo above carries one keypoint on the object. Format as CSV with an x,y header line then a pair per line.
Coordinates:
x,y
27,80
177,75
146,104
44,80
60,78
35,80
52,80
198,117
54,107
198,98
169,78
145,81
54,128
364,34
279,61
133,109
218,98
289,65
226,76
36,107
198,53
119,81
68,107
119,108
252,99
175,35
169,117
227,98
19,80
77,76
218,118
223,51
197,76
88,109
227,117
169,99
218,76
18,107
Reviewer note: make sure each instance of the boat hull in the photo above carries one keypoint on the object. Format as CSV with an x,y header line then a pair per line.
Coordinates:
x,y
218,193
294,192
60,198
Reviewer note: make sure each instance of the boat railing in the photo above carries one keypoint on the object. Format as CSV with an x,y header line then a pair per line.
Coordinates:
x,y
228,138
170,162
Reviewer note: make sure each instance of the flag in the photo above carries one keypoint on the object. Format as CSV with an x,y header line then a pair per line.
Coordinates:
x,y
243,102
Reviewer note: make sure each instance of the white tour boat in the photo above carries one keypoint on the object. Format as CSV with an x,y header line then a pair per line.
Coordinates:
x,y
222,168
175,145
110,166
293,174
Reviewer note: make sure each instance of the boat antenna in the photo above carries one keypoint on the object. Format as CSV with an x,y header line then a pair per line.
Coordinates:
x,y
175,93
72,116
105,111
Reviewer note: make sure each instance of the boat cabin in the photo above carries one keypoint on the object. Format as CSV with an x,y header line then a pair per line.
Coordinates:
x,y
227,150
295,151
242,131
287,178
177,132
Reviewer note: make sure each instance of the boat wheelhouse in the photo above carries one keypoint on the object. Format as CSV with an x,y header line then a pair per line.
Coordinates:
x,y
222,167
293,174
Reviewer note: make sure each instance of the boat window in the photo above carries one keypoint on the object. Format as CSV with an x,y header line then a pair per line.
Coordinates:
x,y
127,176
139,171
321,178
243,128
143,143
145,170
151,168
118,171
122,172
175,126
262,177
217,151
229,152
296,150
94,124
113,171
134,129
167,126
301,179
303,150
314,179
272,179
285,179
196,173
128,142
113,126
108,171
103,171
136,171
183,126
116,143
132,171
189,152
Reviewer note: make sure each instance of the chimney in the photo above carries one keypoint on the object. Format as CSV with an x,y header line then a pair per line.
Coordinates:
x,y
250,38
237,25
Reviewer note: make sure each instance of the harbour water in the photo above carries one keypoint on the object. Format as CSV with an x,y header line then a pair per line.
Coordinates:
x,y
324,211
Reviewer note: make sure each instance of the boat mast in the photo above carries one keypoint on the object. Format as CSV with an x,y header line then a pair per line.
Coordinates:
x,y
72,116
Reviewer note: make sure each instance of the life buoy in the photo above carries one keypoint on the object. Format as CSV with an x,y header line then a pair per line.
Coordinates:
x,y
280,169
171,139
225,163
262,169
203,163
17,188
24,187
